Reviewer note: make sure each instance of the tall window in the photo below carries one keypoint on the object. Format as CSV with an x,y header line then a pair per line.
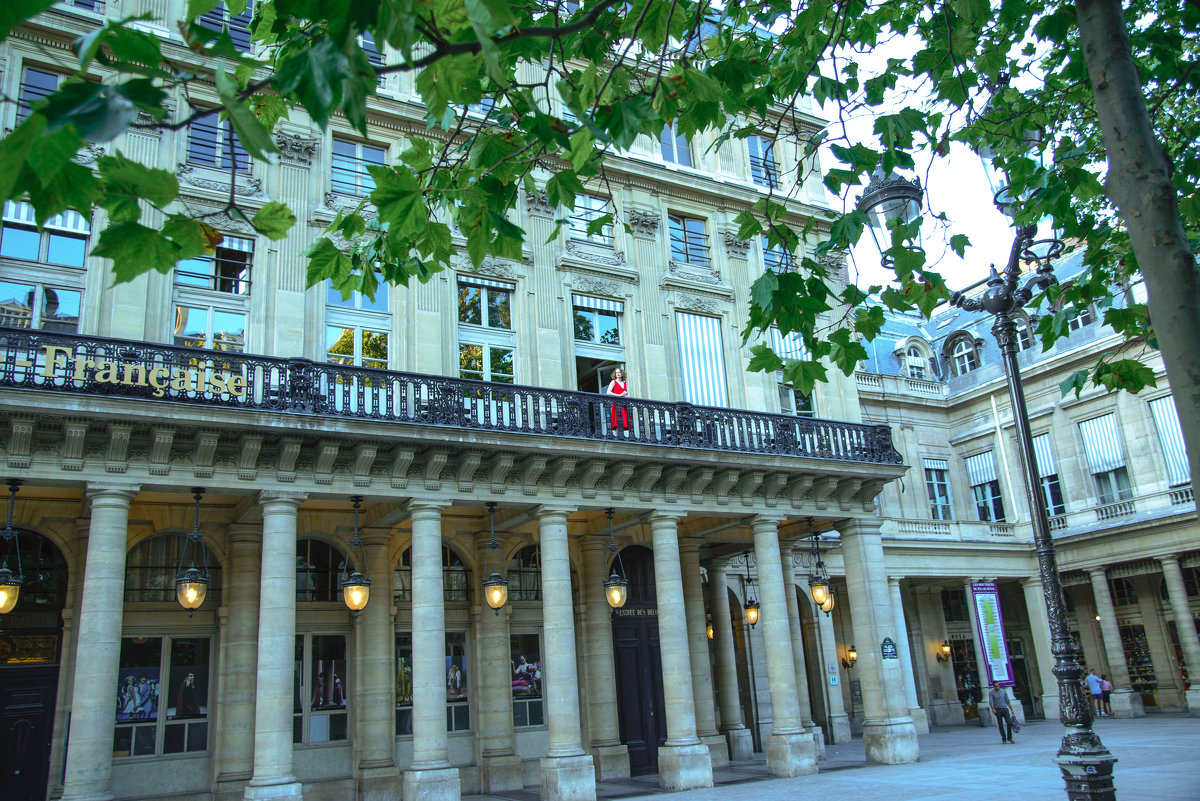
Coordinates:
x,y
1048,473
239,26
212,297
597,320
455,577
937,488
1123,593
528,707
525,575
486,344
356,330
36,83
350,161
318,564
62,239
320,689
1170,435
764,169
39,306
151,565
211,144
689,240
965,357
1024,336
702,360
985,487
777,258
588,209
914,362
791,400
458,710
163,692
675,147
1106,458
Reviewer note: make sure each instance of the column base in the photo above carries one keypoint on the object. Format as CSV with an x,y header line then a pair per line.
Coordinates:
x,y
718,749
986,719
500,773
839,729
1050,707
920,720
570,778
890,741
436,784
818,735
611,761
1126,704
790,755
379,781
1192,699
292,790
741,744
684,767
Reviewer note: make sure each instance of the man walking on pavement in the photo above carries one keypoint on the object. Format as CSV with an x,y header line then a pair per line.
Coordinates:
x,y
998,701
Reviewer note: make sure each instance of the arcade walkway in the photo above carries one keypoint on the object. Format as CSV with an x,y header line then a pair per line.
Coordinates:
x,y
1159,758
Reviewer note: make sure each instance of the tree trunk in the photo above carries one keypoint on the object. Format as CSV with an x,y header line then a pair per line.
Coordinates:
x,y
1139,183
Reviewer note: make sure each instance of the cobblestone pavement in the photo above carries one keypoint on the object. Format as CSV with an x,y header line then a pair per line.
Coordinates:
x,y
1158,760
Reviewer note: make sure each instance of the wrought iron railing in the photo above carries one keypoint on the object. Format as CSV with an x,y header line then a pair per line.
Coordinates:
x,y
95,366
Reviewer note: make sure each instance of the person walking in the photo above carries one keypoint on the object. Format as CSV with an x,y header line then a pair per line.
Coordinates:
x,y
1095,686
998,701
1106,691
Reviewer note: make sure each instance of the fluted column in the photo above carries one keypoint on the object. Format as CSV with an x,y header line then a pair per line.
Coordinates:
x,y
684,761
374,699
888,731
1039,626
798,655
274,776
1125,702
98,646
499,766
697,633
739,738
567,771
239,667
429,777
609,753
920,720
790,751
1185,627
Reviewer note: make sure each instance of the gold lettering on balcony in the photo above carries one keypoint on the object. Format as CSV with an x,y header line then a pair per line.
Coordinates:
x,y
201,376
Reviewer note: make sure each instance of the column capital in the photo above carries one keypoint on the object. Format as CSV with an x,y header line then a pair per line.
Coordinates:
x,y
245,532
107,494
549,510
1031,581
759,521
661,517
1168,559
281,497
894,581
859,525
593,542
689,545
1100,571
426,510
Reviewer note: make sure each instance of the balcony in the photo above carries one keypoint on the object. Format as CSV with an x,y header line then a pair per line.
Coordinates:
x,y
954,530
122,369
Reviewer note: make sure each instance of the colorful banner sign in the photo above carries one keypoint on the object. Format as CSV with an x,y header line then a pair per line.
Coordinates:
x,y
986,598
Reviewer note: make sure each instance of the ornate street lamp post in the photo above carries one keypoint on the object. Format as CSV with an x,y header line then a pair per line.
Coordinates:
x,y
1086,765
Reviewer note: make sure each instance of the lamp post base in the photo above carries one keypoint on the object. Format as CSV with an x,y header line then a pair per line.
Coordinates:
x,y
1087,767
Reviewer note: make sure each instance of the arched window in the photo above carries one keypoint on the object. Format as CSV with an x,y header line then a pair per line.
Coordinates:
x,y
318,565
915,362
965,358
1123,593
455,577
525,575
151,566
45,571
1024,334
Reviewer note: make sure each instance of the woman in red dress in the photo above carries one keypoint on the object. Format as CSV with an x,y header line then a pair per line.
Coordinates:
x,y
619,413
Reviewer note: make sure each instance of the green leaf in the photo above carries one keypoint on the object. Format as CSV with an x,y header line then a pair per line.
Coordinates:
x,y
274,220
442,83
255,138
15,12
869,321
325,261
399,200
804,375
194,237
127,182
136,249
762,291
72,187
197,7
764,360
1076,381
314,75
958,243
844,352
562,188
748,225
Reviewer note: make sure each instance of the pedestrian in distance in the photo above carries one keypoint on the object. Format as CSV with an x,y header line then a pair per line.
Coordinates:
x,y
998,701
1106,691
1095,686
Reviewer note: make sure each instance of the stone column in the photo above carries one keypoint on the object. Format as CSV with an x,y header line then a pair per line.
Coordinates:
x,y
920,719
235,736
790,750
430,776
1125,702
98,646
942,704
1039,626
741,742
273,775
697,634
499,765
373,701
798,655
609,753
567,771
839,722
684,762
888,732
1185,628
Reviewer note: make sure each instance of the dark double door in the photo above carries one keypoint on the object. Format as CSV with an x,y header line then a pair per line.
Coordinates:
x,y
640,705
26,729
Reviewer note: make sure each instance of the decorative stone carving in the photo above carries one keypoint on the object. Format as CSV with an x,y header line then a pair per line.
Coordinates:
x,y
89,154
248,187
296,150
221,220
497,268
696,303
594,286
644,223
703,273
537,205
736,248
616,258
146,125
836,264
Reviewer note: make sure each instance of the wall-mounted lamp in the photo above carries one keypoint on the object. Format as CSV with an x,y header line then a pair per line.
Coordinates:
x,y
943,654
850,658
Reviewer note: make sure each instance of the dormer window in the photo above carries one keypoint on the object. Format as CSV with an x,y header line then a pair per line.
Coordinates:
x,y
915,362
964,356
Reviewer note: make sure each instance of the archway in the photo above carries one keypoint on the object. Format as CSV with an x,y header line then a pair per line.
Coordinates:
x,y
641,710
30,646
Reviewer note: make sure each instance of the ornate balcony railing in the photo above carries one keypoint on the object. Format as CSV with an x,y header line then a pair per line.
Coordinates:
x,y
101,367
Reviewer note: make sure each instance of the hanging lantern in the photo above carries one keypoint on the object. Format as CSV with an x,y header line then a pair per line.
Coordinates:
x,y
191,582
751,608
495,586
827,607
10,583
818,582
708,627
616,588
356,587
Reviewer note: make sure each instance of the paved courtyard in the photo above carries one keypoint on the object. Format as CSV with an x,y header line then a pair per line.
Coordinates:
x,y
1159,760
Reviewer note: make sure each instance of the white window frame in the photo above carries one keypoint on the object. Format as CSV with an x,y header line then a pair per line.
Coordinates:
x,y
915,363
219,18
22,108
587,209
670,151
763,163
47,279
693,253
965,355
355,180
212,301
941,506
221,160
777,258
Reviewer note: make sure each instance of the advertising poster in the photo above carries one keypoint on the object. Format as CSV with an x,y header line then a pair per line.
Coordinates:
x,y
986,597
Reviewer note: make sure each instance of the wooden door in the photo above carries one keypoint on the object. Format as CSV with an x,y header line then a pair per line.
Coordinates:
x,y
26,729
